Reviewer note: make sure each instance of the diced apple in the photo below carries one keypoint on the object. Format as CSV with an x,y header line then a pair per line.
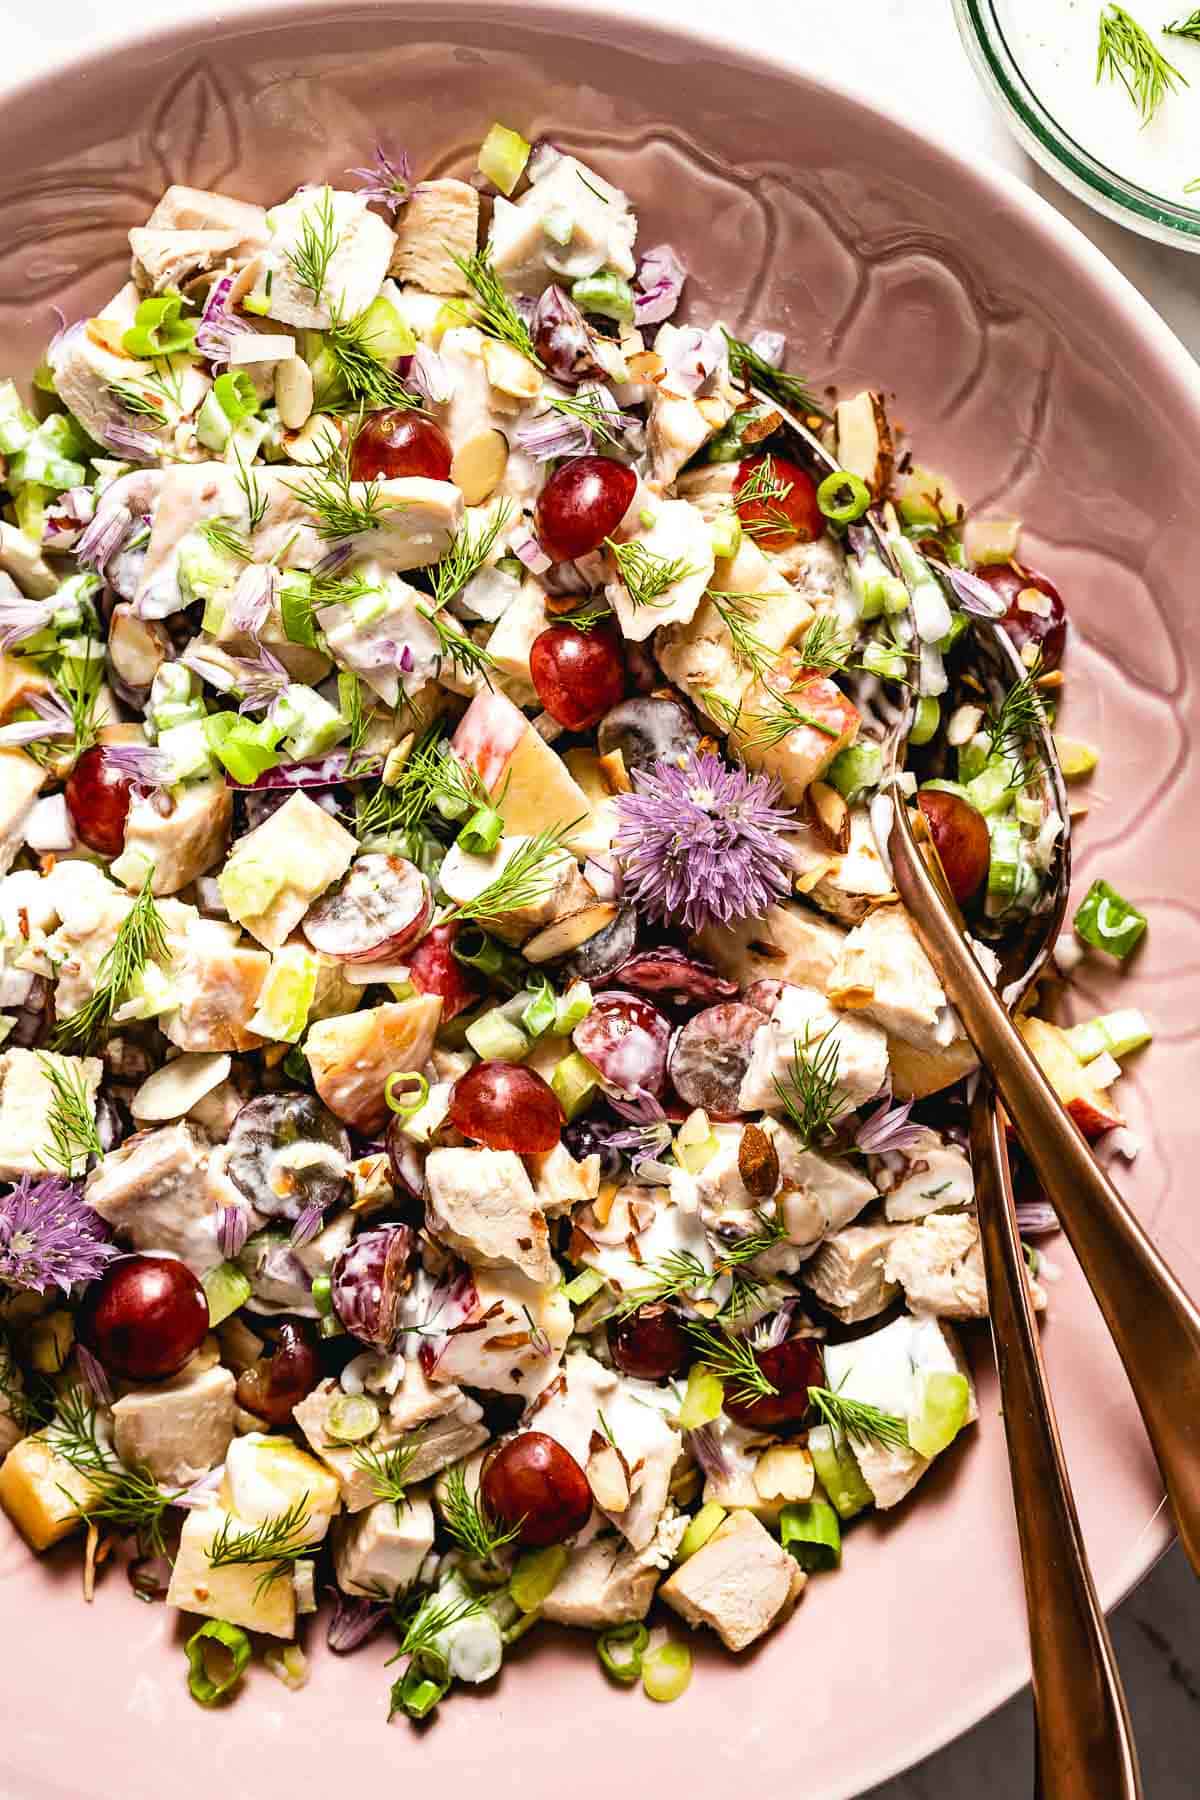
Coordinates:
x,y
1075,1082
41,1493
352,1055
802,755
238,1593
917,1071
500,744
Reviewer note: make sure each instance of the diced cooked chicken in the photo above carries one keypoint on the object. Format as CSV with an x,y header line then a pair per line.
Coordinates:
x,y
606,1582
187,496
725,1204
179,844
847,1273
276,871
437,1421
363,636
929,1175
818,571
217,983
788,944
197,209
352,274
239,1593
740,1583
178,1429
266,1474
678,538
560,1183
352,1054
884,975
27,1095
602,229
163,259
939,1264
21,781
91,910
88,363
512,640
826,724
481,1203
642,1225
554,888
845,886
675,430
153,1192
380,1550
803,1024
22,561
753,1471
648,1445
887,1369
918,1070
699,657
818,1194
417,519
512,1337
439,222
864,440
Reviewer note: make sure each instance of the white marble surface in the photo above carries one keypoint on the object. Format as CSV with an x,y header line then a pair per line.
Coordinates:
x,y
904,52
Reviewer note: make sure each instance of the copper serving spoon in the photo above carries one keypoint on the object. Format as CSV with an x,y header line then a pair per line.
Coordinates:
x,y
1085,1746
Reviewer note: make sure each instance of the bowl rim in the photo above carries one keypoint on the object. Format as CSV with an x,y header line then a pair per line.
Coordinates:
x,y
1052,145
628,24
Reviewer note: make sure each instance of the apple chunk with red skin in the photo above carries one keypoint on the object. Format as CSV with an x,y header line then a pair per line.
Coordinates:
x,y
496,740
1074,1082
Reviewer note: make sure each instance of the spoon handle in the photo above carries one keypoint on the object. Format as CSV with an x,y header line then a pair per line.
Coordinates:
x,y
1153,1322
1085,1747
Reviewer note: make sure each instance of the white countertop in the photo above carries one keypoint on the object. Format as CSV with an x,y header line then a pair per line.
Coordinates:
x,y
902,51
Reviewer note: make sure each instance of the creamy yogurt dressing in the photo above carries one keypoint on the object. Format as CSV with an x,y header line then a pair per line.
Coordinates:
x,y
1054,44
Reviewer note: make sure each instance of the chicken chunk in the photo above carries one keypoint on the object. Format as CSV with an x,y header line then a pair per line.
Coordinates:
x,y
43,1494
240,1593
511,1338
606,1582
381,1549
939,1264
512,640
884,975
864,440
154,1194
481,1203
826,724
352,1054
218,984
180,844
740,1583
555,888
675,430
846,886
804,1024
165,259
276,871
178,1429
197,209
87,369
527,258
21,781
933,1175
818,1194
677,535
847,1274
437,1421
788,944
440,222
27,1095
818,571
368,645
21,560
560,1183
352,274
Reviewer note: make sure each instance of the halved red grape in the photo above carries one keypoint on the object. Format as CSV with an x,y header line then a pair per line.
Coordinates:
x,y
272,1386
392,445
650,1343
626,1039
506,1107
144,1317
578,675
584,500
369,1279
786,511
791,1368
531,1481
285,1152
562,337
960,837
380,908
433,968
1036,614
97,798
711,1055
676,975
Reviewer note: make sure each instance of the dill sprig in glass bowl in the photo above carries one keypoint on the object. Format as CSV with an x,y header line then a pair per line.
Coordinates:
x,y
1051,63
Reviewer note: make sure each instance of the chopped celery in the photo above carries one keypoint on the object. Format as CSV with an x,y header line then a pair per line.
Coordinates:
x,y
700,1529
868,580
812,1533
226,1288
1107,921
726,534
880,659
385,333
584,1287
695,1143
17,423
502,157
30,507
730,443
1116,1033
538,1015
159,329
572,1008
607,293
1075,758
187,748
993,791
237,396
212,423
973,757
838,1472
666,1672
1005,864
855,769
286,995
943,1401
296,609
958,626
497,1039
703,1400
536,1575
309,723
923,498
574,1081
245,748
482,832
248,886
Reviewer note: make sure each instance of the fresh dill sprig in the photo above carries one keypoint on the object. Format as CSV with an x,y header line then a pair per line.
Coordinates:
x,y
70,1119
1185,28
141,938
340,511
585,618
30,1400
432,779
79,683
737,618
279,1541
223,536
765,488
388,1471
369,382
525,879
467,552
647,575
256,500
458,648
810,1093
826,649
792,391
588,409
133,400
355,713
495,314
1016,721
857,1421
1128,54
681,1272
759,729
732,1359
469,1522
309,260
128,1499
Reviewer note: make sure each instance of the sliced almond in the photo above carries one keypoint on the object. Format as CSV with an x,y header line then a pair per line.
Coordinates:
x,y
137,648
646,365
602,1205
713,412
827,811
509,372
811,878
564,935
784,1473
616,775
608,1475
479,465
294,392
173,1090
761,426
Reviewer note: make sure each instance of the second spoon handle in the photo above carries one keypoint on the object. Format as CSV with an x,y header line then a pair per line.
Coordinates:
x,y
1154,1323
1085,1747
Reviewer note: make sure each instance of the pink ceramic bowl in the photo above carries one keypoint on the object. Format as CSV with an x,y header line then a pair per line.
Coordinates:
x,y
1020,361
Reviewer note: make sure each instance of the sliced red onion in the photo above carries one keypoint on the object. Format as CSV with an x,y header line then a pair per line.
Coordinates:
x,y
308,1223
660,278
430,376
353,1622
251,600
528,551
217,328
147,767
563,337
106,535
93,1375
132,444
315,772
973,594
603,877
770,345
706,1449
542,158
66,517
233,1228
203,1491
335,559
887,1128
1035,1218
149,1577
53,721
691,358
553,434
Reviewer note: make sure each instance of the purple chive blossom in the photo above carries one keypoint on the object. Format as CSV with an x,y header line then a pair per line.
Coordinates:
x,y
406,661
887,1128
430,376
145,767
334,559
308,1224
777,1329
49,1236
233,1228
260,680
702,845
68,515
563,337
252,598
93,1376
386,180
129,442
553,434
53,721
21,618
660,279
217,328
705,1448
353,1622
106,535
973,594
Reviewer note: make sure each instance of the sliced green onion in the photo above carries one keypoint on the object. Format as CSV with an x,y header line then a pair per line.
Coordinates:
x,y
226,1288
926,720
159,329
572,1008
992,790
838,1472
351,1418
620,1650
812,1533
726,534
235,391
203,1685
497,1039
1116,1032
582,1288
322,1295
476,950
1005,865
843,497
607,293
482,832
944,1399
703,1400
699,1530
574,1081
958,624
540,1012
881,659
502,157
1108,921
536,1575
855,769
667,1672
412,1102
425,1681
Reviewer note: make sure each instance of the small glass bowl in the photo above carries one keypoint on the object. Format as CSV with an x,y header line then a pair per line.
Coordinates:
x,y
1051,145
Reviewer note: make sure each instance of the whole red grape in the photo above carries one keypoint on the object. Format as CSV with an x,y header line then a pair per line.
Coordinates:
x,y
1036,614
531,1481
650,1343
786,510
98,801
579,675
391,445
960,837
791,1368
144,1317
584,500
506,1107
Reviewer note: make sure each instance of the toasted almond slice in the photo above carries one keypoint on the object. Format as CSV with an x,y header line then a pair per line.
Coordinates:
x,y
762,427
510,372
616,775
294,392
173,1090
602,1205
479,465
562,936
608,1475
784,1472
829,813
646,365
